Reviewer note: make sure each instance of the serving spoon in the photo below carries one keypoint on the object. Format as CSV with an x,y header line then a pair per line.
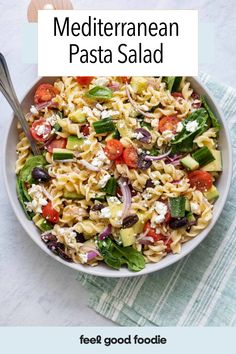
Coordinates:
x,y
7,89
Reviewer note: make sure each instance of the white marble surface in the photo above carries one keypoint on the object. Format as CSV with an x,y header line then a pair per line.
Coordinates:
x,y
34,289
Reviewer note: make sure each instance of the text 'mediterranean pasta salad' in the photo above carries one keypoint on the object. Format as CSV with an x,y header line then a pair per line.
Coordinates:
x,y
127,171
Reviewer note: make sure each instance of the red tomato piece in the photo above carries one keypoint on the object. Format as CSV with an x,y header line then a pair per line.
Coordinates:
x,y
202,180
44,93
50,214
168,123
130,157
84,80
177,94
124,79
56,143
113,149
119,161
40,130
84,129
167,217
151,232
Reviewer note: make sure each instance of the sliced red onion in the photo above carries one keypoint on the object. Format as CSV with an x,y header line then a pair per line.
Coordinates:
x,y
91,255
156,158
146,114
44,105
142,163
146,136
114,86
126,194
88,165
146,240
105,233
90,249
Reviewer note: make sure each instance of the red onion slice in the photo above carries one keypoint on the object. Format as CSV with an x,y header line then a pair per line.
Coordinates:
x,y
146,114
156,158
126,194
145,135
44,105
105,233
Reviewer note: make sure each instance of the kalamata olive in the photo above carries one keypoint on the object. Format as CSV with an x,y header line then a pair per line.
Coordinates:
x,y
145,136
196,100
129,221
40,175
149,183
97,207
48,238
142,163
177,223
80,238
58,249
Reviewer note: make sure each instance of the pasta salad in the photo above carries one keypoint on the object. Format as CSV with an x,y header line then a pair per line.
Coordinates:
x,y
127,170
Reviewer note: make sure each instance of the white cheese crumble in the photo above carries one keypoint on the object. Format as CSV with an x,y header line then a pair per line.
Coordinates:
x,y
103,181
100,159
159,216
101,81
99,106
137,136
87,111
192,126
34,110
109,113
83,257
97,112
114,200
144,107
38,199
179,127
105,212
195,209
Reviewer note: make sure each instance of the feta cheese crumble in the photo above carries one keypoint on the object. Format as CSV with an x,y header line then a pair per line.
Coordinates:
x,y
34,110
101,81
103,181
105,212
179,127
192,126
109,113
38,199
52,120
100,159
159,215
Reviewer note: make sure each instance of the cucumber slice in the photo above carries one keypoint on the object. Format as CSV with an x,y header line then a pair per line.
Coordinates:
x,y
177,207
73,195
73,142
78,116
62,154
44,225
203,156
190,163
212,193
216,165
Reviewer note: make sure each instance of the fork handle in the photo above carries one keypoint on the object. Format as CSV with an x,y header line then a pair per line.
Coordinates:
x,y
7,89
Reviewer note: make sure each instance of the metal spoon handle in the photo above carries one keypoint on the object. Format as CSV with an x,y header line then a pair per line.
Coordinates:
x,y
8,91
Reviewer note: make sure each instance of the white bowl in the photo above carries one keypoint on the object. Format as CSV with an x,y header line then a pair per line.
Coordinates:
x,y
223,185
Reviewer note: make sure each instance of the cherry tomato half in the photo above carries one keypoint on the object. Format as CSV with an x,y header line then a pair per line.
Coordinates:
x,y
202,180
50,214
168,123
130,157
167,244
113,149
167,217
151,232
84,129
57,143
119,161
124,79
44,93
84,80
40,130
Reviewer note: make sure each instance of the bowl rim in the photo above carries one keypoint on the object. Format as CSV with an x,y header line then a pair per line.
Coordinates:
x,y
98,271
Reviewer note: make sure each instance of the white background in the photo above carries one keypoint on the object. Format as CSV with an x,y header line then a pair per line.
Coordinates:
x,y
34,289
180,53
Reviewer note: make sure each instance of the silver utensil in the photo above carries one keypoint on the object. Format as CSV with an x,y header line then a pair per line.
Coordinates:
x,y
7,89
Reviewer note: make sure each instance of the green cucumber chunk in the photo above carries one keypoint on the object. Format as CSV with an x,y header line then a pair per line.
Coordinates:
x,y
216,165
127,236
177,207
77,116
190,163
73,142
44,225
212,193
203,156
62,154
104,126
